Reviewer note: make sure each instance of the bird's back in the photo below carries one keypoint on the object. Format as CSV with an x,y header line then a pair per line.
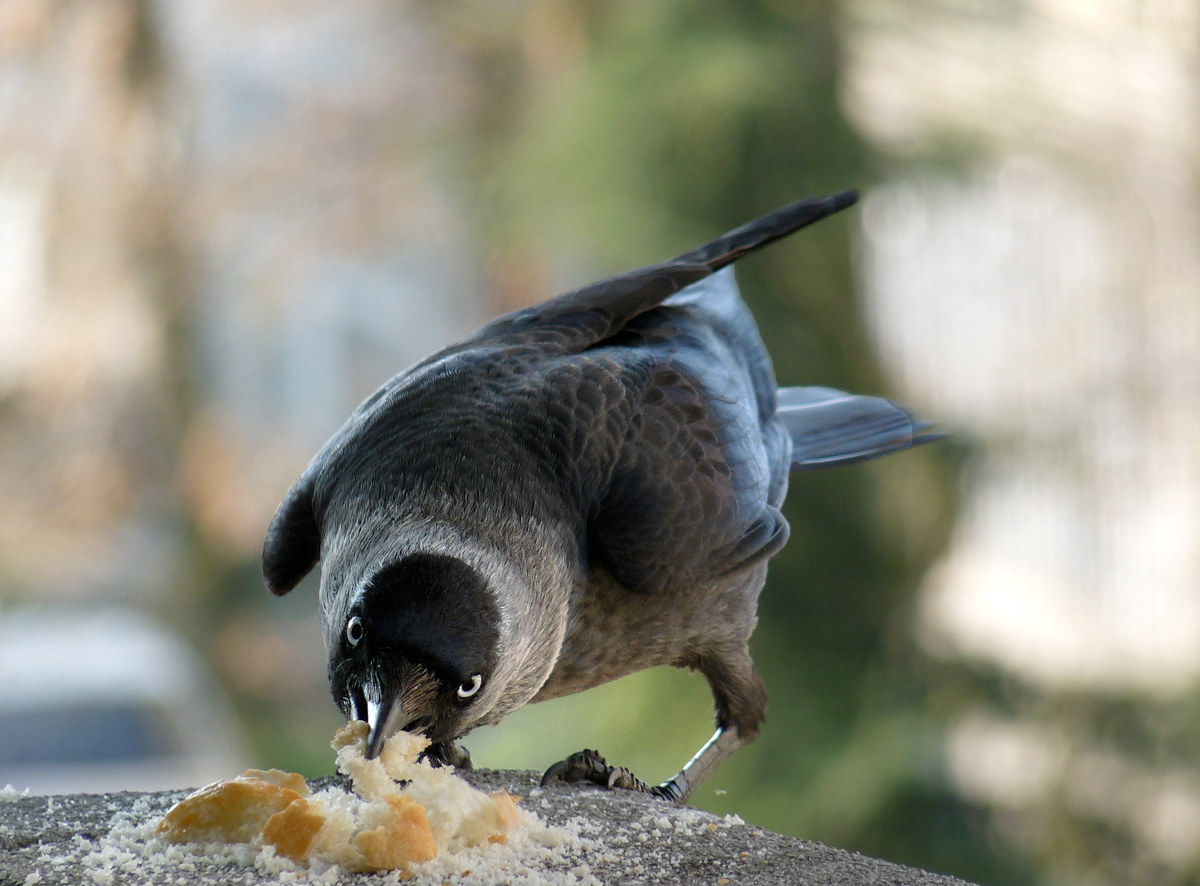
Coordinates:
x,y
637,413
699,477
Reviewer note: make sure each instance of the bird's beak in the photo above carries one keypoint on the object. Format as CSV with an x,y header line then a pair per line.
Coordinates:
x,y
385,718
378,714
391,712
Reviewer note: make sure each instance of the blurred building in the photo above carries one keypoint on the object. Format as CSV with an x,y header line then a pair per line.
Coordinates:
x,y
323,249
1040,298
327,249
83,484
222,225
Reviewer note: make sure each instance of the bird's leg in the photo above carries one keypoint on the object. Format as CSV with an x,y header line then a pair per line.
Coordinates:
x,y
715,751
447,753
740,701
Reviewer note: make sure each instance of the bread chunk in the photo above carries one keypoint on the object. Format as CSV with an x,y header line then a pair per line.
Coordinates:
x,y
292,781
402,812
230,811
293,830
402,839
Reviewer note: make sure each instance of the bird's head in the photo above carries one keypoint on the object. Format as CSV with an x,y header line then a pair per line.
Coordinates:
x,y
416,649
429,625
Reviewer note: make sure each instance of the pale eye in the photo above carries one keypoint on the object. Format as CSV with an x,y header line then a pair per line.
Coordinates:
x,y
466,690
354,630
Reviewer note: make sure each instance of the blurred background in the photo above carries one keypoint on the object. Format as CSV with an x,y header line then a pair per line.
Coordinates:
x,y
223,224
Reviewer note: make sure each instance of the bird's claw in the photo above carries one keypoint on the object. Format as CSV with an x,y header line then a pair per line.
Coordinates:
x,y
589,766
447,753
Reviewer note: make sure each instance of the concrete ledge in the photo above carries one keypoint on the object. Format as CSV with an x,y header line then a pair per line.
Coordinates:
x,y
627,839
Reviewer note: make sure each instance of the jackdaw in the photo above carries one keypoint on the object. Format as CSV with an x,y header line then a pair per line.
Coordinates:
x,y
580,490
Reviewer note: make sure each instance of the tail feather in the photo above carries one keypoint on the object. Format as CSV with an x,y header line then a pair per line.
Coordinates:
x,y
767,229
577,320
831,428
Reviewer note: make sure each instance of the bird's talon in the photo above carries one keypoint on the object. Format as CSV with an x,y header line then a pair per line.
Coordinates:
x,y
585,765
588,765
626,780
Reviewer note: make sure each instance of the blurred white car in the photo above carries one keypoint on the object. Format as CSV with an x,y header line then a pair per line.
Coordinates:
x,y
93,701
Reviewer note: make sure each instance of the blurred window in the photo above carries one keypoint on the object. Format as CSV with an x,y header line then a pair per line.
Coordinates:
x,y
85,733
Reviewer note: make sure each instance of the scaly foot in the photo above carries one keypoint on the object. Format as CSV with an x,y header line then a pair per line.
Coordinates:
x,y
588,765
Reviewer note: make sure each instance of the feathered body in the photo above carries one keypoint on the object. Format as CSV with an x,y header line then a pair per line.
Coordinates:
x,y
610,465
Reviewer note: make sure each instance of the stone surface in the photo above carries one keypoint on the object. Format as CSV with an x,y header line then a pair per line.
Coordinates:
x,y
622,838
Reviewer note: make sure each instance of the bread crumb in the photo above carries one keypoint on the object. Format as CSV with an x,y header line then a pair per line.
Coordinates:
x,y
507,815
9,794
403,838
293,830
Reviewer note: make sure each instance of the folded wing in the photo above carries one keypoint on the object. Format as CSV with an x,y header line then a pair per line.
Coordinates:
x,y
831,428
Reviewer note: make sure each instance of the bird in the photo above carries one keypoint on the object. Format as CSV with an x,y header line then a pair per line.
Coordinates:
x,y
580,490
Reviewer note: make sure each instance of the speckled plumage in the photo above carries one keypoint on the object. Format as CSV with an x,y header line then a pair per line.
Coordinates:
x,y
612,464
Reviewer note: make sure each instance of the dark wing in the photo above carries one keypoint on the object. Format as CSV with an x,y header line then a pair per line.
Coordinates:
x,y
831,428
727,249
699,479
568,324
293,543
580,319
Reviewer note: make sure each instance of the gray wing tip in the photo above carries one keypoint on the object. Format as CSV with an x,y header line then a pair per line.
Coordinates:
x,y
842,200
766,229
924,431
830,428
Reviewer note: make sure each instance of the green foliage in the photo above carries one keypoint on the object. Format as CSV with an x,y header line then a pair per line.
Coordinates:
x,y
678,120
